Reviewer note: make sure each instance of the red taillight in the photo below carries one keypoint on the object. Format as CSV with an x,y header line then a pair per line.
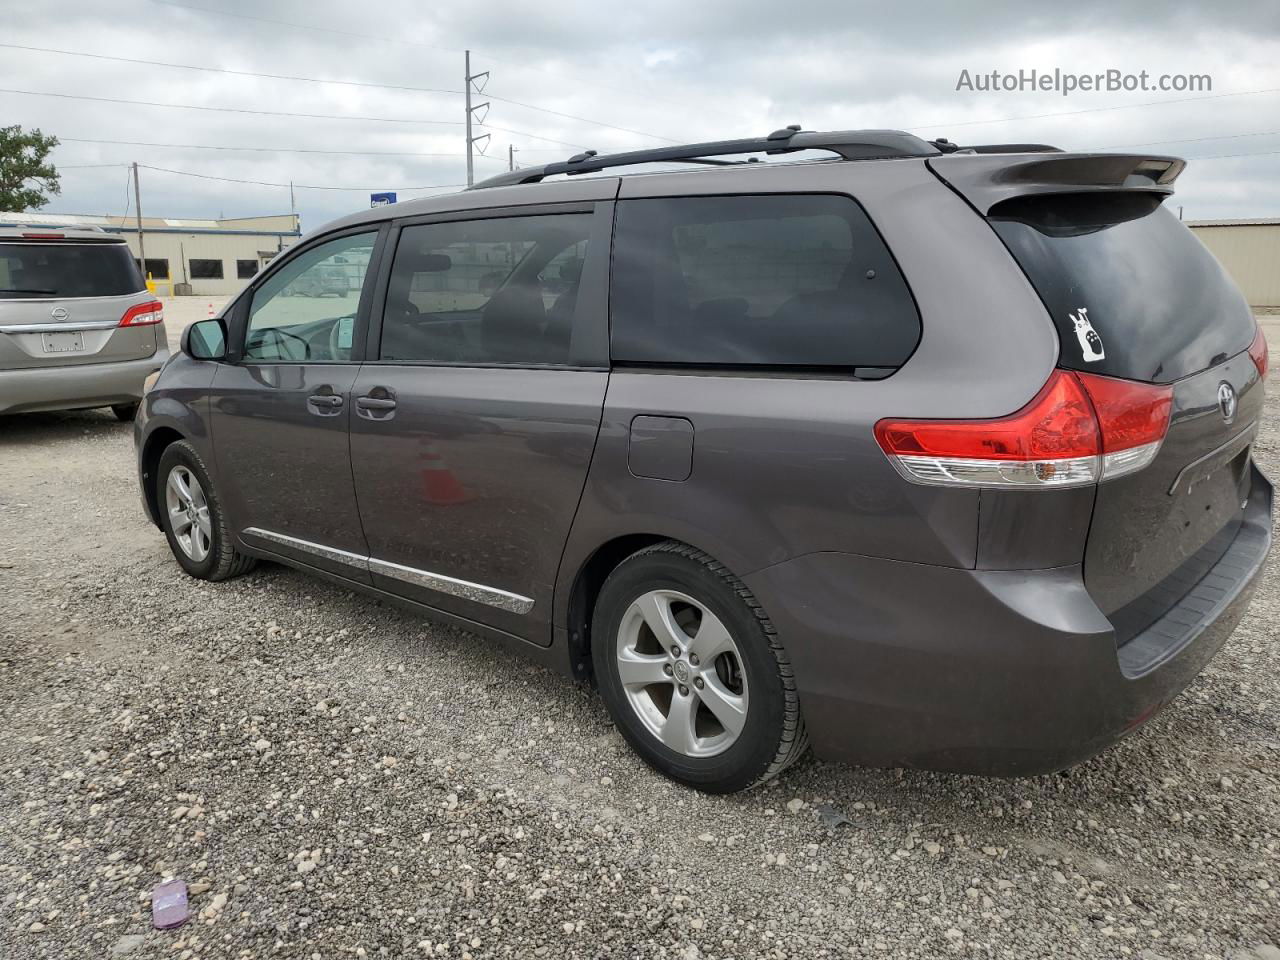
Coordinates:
x,y
1129,414
44,236
1079,429
1258,350
144,314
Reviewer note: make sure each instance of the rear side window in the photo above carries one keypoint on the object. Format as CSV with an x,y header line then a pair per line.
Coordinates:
x,y
35,270
480,292
1132,292
782,281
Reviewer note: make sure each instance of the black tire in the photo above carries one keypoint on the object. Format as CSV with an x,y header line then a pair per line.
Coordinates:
x,y
125,412
223,561
773,735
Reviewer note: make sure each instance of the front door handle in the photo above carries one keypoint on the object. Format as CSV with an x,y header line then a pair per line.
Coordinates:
x,y
375,403
325,403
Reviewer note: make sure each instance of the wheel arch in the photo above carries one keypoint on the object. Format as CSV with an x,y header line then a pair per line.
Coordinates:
x,y
153,449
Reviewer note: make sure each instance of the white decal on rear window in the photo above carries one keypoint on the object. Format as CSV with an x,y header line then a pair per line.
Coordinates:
x,y
1090,342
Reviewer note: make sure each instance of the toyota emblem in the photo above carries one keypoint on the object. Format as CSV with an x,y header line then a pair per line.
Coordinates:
x,y
1227,401
59,314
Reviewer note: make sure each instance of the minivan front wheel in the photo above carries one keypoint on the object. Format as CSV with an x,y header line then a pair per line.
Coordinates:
x,y
192,517
692,671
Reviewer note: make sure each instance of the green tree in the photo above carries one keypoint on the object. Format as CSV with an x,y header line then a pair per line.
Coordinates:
x,y
27,178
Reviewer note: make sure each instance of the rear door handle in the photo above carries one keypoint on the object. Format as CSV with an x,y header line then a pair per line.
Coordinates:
x,y
375,403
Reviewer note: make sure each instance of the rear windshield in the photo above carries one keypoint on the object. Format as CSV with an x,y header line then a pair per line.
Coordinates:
x,y
1133,293
42,270
774,281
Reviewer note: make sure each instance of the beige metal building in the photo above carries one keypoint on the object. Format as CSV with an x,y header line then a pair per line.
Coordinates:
x,y
215,257
1250,250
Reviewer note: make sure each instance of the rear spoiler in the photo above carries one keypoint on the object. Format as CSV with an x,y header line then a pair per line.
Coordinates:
x,y
987,179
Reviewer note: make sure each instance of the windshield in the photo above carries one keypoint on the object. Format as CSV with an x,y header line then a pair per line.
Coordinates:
x,y
44,270
1133,293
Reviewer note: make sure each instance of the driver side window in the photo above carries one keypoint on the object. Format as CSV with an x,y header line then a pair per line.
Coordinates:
x,y
306,311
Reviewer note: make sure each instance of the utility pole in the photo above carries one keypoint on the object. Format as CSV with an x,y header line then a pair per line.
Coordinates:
x,y
468,81
511,157
137,203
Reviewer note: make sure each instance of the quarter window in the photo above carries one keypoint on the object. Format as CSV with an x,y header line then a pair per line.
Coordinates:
x,y
782,281
306,310
479,292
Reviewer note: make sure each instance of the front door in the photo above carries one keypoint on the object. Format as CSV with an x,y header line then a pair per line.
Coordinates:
x,y
281,409
472,431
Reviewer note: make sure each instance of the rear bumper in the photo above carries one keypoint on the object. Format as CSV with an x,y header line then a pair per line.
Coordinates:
x,y
1007,673
77,386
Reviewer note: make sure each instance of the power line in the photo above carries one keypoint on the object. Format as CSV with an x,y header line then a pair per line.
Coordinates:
x,y
1225,136
595,80
261,113
214,146
236,73
300,186
1229,156
345,83
272,113
1074,113
571,116
301,26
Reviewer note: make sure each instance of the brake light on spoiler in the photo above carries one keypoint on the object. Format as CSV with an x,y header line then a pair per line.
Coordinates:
x,y
1079,429
143,314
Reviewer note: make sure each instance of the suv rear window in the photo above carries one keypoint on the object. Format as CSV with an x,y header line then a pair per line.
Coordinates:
x,y
783,281
1133,293
35,270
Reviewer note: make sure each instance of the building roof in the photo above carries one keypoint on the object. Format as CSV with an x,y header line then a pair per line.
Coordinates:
x,y
281,224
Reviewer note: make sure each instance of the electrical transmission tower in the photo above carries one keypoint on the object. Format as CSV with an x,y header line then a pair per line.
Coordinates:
x,y
470,83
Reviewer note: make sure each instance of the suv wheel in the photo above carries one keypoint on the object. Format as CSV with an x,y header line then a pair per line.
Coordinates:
x,y
192,518
692,671
125,412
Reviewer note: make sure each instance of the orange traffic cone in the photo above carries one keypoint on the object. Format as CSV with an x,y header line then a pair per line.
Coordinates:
x,y
210,311
439,485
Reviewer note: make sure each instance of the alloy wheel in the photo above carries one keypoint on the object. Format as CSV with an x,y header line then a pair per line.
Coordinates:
x,y
188,511
682,673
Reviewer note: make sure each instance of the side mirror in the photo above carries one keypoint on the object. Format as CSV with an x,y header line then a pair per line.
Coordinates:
x,y
205,340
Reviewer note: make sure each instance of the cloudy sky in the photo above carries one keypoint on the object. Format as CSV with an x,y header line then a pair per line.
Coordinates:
x,y
566,76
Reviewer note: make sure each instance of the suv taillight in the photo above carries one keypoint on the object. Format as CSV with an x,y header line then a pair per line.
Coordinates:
x,y
144,314
1258,350
1079,429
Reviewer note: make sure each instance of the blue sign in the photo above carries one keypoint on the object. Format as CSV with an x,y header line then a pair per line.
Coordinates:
x,y
381,199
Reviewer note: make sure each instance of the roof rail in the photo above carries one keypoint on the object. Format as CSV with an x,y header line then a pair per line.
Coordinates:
x,y
946,146
848,144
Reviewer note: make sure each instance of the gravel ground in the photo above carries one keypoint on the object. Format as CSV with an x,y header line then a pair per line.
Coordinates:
x,y
338,779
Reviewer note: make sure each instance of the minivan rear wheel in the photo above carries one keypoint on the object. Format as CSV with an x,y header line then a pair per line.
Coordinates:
x,y
192,517
692,671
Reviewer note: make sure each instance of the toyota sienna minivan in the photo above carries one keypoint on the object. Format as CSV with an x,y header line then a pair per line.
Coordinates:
x,y
920,454
78,327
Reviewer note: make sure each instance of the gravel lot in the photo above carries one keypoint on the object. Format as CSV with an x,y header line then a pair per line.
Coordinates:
x,y
338,779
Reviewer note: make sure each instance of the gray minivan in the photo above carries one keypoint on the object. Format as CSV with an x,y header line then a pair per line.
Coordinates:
x,y
925,455
78,327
